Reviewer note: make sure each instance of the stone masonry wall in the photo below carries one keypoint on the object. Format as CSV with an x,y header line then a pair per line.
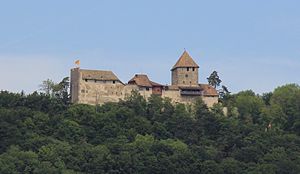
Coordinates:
x,y
91,92
185,76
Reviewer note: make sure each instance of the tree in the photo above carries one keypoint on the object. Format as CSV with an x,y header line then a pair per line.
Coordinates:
x,y
288,98
47,86
224,91
249,106
214,79
57,90
61,90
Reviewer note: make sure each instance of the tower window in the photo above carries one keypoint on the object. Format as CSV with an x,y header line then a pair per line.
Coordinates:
x,y
114,82
187,69
193,69
183,82
186,75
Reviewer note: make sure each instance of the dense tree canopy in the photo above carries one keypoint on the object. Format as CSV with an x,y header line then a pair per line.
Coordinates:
x,y
44,134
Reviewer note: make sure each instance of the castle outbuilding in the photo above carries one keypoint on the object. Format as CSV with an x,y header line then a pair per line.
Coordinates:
x,y
98,87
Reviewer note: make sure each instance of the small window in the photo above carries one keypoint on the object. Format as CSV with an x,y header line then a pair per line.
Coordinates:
x,y
183,82
187,69
114,82
193,69
85,80
147,89
186,75
95,81
82,91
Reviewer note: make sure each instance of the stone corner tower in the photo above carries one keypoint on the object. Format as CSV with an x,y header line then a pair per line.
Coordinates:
x,y
185,71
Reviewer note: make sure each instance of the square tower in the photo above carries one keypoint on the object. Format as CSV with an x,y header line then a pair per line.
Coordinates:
x,y
185,71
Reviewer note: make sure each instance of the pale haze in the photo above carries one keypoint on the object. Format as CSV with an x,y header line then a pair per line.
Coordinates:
x,y
251,44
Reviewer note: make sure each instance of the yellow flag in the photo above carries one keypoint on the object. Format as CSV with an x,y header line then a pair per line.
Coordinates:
x,y
77,62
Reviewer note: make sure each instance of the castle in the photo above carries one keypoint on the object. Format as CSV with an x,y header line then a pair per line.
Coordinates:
x,y
98,86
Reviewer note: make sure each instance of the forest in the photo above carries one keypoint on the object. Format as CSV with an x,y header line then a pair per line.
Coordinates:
x,y
43,133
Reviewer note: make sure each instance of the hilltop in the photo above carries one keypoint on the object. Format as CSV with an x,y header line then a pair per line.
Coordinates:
x,y
42,133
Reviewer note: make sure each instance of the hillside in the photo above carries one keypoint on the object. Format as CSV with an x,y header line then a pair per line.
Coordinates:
x,y
43,134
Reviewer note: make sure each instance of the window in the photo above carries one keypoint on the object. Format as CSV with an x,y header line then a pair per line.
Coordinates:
x,y
82,91
187,69
193,69
147,89
85,80
114,82
186,75
183,82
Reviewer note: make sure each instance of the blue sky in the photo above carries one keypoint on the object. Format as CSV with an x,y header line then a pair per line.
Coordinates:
x,y
252,44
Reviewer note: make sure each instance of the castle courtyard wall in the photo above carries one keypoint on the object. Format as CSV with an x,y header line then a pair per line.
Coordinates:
x,y
100,92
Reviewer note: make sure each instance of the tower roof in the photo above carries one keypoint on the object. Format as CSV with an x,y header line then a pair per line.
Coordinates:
x,y
185,61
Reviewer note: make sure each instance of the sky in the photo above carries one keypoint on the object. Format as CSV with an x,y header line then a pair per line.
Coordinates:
x,y
251,44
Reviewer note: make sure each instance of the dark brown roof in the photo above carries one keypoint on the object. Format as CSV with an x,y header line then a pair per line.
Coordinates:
x,y
98,75
143,80
190,87
185,60
208,90
155,84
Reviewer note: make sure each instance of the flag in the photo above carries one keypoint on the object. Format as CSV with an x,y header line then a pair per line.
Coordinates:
x,y
77,62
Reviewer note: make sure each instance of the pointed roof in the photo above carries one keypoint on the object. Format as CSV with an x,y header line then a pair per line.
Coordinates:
x,y
185,60
143,80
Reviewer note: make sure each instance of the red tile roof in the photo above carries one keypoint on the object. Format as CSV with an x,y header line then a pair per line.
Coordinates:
x,y
185,60
143,80
208,90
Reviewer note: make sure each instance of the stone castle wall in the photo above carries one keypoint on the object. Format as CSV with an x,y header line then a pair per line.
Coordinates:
x,y
185,76
100,92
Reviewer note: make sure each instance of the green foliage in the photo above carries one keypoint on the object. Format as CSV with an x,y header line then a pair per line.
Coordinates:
x,y
287,98
42,134
214,79
249,106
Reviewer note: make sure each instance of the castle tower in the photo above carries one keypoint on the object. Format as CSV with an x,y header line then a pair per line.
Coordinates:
x,y
185,71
